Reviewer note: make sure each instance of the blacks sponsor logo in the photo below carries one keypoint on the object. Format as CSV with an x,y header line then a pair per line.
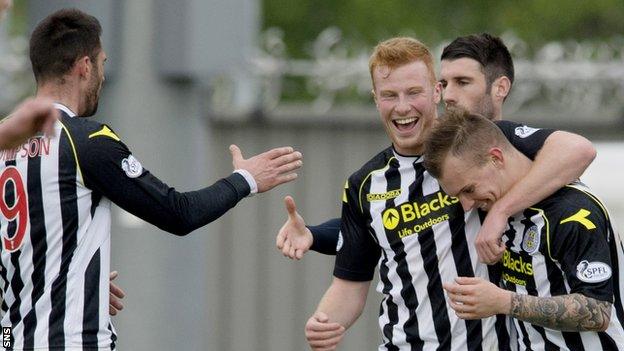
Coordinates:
x,y
517,268
410,218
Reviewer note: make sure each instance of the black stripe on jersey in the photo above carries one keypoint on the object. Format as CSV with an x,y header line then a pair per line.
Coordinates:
x,y
90,316
606,342
113,336
407,291
463,264
95,201
522,332
428,251
39,244
69,216
393,314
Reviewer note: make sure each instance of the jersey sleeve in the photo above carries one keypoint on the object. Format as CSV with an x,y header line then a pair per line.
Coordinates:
x,y
108,167
526,139
325,236
357,252
579,244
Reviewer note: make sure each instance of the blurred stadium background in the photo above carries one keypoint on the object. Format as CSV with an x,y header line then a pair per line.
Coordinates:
x,y
186,78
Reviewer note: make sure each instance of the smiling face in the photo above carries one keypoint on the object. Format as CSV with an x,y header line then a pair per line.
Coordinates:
x,y
476,185
464,85
406,100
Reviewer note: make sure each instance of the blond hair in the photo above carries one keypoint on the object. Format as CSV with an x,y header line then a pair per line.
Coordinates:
x,y
461,134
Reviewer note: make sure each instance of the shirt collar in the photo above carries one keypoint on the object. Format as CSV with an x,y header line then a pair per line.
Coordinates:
x,y
65,109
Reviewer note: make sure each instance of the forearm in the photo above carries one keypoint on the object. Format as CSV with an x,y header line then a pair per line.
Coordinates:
x,y
344,301
563,159
325,236
192,210
574,312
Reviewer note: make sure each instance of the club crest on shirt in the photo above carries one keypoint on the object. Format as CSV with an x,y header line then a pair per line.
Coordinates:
x,y
531,240
131,166
525,131
593,272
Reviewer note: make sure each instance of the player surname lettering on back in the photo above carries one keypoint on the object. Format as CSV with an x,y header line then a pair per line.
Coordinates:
x,y
34,147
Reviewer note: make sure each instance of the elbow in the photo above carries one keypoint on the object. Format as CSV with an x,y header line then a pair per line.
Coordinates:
x,y
178,228
180,231
587,152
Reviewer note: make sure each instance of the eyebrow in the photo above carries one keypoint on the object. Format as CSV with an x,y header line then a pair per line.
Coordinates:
x,y
465,188
463,77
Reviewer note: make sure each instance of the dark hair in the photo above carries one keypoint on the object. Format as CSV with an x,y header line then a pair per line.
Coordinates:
x,y
461,134
62,38
488,50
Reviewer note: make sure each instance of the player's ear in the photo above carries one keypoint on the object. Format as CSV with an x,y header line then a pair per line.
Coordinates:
x,y
496,157
82,67
437,92
374,97
501,87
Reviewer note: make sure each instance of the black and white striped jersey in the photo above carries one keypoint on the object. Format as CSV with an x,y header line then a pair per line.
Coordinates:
x,y
55,204
563,245
396,217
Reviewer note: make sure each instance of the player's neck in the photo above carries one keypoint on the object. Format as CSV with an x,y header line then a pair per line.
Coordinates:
x,y
519,165
61,94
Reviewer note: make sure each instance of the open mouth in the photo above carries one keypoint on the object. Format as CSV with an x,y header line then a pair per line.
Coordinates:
x,y
405,124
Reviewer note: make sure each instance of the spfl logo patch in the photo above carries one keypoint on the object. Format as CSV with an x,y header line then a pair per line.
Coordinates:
x,y
131,166
593,272
531,240
525,131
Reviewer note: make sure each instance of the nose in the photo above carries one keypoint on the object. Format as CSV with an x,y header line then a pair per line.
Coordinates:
x,y
449,95
403,107
467,204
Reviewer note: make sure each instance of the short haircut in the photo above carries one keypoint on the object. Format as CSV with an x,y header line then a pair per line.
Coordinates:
x,y
60,39
399,51
488,50
461,134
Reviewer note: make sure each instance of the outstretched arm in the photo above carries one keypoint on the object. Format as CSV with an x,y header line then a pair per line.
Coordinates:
x,y
563,159
108,166
294,239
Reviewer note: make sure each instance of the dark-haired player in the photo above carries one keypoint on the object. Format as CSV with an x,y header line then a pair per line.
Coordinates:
x,y
57,192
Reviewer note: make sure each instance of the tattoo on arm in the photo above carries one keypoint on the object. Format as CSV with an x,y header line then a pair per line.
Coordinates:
x,y
574,312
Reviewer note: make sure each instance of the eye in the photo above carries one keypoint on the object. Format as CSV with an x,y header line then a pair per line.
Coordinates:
x,y
468,190
444,83
462,82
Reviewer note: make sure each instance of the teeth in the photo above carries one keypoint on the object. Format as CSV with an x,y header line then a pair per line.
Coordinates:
x,y
405,120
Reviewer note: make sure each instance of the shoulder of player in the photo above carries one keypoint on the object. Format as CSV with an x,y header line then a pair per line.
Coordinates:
x,y
83,130
575,205
378,161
